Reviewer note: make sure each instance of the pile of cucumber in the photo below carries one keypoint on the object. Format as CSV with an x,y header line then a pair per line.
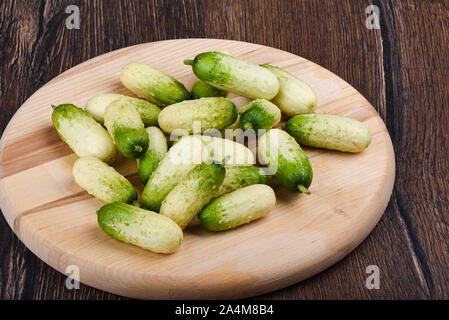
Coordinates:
x,y
202,176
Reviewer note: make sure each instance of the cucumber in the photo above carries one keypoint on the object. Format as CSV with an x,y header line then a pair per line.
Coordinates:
x,y
152,84
241,176
142,228
259,114
203,90
294,96
286,159
238,207
183,156
155,153
229,73
211,113
329,132
126,128
96,106
102,181
177,162
82,133
192,193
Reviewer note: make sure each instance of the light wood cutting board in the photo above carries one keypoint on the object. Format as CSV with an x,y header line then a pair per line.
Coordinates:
x,y
302,236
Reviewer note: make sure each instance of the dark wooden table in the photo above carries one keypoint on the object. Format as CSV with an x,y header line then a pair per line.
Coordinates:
x,y
401,68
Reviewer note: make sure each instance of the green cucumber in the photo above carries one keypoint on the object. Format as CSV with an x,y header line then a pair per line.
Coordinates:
x,y
238,207
192,193
203,90
97,105
152,84
176,164
294,96
126,127
259,114
183,157
155,153
102,181
329,132
142,228
241,176
82,133
286,160
231,74
211,113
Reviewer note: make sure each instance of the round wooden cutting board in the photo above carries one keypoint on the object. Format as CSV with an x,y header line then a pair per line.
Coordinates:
x,y
302,236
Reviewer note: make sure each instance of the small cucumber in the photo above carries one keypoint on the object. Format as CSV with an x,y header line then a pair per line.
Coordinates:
x,y
294,96
155,153
96,106
82,133
102,181
152,84
238,207
142,228
124,124
211,113
192,193
229,73
202,90
259,114
241,176
183,157
286,159
329,132
176,164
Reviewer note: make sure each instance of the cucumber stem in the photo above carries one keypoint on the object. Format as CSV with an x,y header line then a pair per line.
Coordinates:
x,y
188,62
303,189
138,148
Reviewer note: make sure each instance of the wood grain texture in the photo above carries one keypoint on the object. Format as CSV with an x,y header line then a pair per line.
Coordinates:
x,y
303,235
400,69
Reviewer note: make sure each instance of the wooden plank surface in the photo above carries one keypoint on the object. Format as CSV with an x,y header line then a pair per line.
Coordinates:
x,y
401,69
302,235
